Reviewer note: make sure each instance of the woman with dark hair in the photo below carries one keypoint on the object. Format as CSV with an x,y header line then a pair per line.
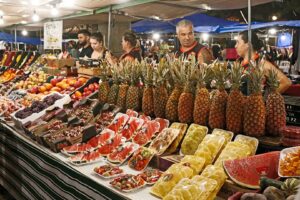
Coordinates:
x,y
242,48
97,44
129,45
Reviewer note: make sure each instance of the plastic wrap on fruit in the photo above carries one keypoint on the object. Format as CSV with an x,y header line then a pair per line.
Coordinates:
x,y
145,134
170,178
194,136
102,138
195,162
131,127
228,135
119,121
182,129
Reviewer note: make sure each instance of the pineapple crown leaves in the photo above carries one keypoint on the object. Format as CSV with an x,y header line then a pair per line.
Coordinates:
x,y
135,72
147,74
256,75
160,73
220,73
204,74
236,75
272,80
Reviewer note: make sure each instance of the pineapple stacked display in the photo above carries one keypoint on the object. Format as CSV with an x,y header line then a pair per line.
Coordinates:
x,y
147,100
275,106
235,103
114,90
186,99
255,110
160,92
104,84
202,99
176,72
217,115
123,87
133,96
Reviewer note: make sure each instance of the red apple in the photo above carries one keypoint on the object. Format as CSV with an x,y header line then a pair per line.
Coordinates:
x,y
88,93
96,85
91,87
78,84
54,81
86,89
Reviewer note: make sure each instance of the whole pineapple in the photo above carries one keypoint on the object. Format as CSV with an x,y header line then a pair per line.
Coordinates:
x,y
275,106
255,110
160,92
172,104
103,84
147,101
217,114
235,103
133,94
114,89
186,99
123,87
202,99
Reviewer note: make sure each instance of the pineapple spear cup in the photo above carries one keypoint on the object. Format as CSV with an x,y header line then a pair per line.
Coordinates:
x,y
172,104
147,100
133,94
202,99
235,103
114,90
217,114
255,111
275,106
104,84
160,92
186,99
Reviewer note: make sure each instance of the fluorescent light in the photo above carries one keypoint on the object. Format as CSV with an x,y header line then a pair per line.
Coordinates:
x,y
156,17
235,37
23,22
205,36
54,11
272,31
156,36
35,17
1,20
274,18
24,32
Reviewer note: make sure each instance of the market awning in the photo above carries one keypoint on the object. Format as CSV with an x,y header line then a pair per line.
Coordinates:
x,y
257,25
27,40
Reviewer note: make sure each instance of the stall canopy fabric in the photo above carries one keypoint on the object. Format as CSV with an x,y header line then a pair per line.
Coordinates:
x,y
202,23
257,25
11,38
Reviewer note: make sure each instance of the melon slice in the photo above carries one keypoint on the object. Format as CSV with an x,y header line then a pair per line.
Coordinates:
x,y
246,172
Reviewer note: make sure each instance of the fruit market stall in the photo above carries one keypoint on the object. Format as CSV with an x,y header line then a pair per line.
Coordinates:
x,y
139,131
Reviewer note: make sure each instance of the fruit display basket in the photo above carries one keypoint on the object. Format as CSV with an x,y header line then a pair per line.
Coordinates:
x,y
64,99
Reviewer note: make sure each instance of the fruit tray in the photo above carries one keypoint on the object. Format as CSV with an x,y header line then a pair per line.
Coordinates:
x,y
289,162
65,99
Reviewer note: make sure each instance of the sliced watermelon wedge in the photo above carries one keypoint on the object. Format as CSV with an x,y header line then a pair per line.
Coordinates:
x,y
246,172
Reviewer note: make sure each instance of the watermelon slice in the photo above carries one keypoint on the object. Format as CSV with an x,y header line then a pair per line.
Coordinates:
x,y
246,172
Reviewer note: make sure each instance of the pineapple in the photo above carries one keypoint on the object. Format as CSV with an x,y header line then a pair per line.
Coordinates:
x,y
275,106
160,92
235,103
133,94
114,90
103,83
147,101
255,111
217,112
202,99
172,104
186,99
123,87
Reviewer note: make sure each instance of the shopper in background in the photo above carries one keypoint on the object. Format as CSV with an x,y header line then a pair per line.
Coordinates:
x,y
188,44
217,51
99,50
242,48
84,40
72,49
129,46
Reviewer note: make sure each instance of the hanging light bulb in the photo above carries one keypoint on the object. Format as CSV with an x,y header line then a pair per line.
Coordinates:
x,y
1,20
54,11
24,32
35,17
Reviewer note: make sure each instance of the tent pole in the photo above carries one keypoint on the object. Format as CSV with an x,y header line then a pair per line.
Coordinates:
x,y
15,37
109,28
249,30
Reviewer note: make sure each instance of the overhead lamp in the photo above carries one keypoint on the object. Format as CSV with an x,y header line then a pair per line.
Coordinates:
x,y
1,13
156,17
272,31
35,17
274,18
23,22
1,20
54,11
24,2
35,2
24,32
25,15
205,36
235,37
156,36
66,3
267,39
283,37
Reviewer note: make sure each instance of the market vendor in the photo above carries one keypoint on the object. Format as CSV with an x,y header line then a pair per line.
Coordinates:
x,y
129,46
84,40
242,48
99,50
188,44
